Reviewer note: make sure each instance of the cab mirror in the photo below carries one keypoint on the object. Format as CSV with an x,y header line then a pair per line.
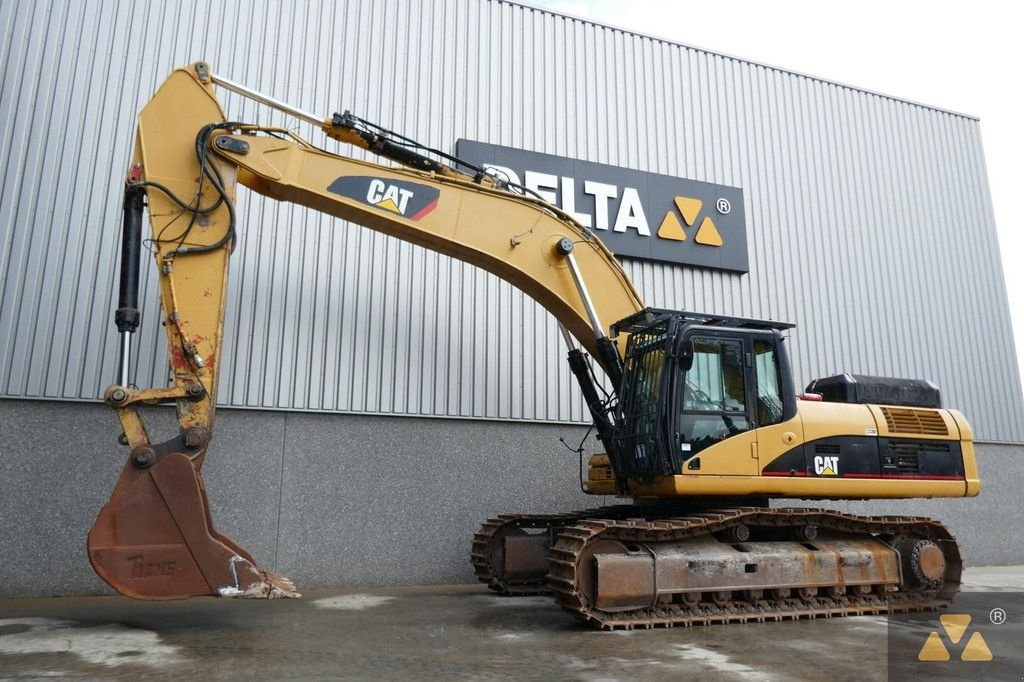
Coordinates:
x,y
685,354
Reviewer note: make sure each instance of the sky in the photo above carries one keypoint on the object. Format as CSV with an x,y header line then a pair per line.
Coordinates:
x,y
965,57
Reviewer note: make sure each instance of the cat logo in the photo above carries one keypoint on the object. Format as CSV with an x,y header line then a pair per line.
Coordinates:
x,y
955,626
408,199
826,466
390,197
690,209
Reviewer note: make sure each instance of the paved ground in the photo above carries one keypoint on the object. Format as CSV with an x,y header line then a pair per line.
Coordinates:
x,y
460,632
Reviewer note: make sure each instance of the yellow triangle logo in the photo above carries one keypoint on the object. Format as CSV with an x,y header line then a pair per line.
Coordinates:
x,y
708,234
690,208
828,472
955,625
671,229
388,205
976,649
933,649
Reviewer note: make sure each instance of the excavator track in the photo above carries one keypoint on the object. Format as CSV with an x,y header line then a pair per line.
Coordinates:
x,y
527,572
487,555
927,570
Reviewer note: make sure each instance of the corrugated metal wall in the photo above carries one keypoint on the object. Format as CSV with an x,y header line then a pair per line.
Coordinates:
x,y
869,218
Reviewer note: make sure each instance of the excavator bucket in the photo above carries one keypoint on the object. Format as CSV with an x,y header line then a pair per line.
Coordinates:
x,y
154,540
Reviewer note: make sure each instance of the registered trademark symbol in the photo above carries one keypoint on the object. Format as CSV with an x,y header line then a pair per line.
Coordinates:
x,y
997,616
723,206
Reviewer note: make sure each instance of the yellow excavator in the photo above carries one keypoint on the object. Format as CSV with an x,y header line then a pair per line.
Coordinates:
x,y
700,423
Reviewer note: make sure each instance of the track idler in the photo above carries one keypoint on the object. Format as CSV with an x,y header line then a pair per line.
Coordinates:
x,y
154,538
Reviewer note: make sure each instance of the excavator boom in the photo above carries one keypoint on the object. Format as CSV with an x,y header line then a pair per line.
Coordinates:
x,y
154,538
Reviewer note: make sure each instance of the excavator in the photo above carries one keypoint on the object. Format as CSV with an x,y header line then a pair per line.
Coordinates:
x,y
697,414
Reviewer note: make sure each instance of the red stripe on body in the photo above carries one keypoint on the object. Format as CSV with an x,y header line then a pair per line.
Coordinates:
x,y
425,210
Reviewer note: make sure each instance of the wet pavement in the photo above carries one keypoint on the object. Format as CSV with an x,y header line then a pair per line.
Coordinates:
x,y
443,633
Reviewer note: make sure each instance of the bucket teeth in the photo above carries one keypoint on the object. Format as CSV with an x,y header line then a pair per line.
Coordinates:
x,y
266,585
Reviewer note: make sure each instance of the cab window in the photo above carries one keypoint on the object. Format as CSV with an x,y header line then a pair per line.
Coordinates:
x,y
715,380
769,393
713,394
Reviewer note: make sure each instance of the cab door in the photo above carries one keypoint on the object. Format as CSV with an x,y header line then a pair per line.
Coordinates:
x,y
714,396
778,427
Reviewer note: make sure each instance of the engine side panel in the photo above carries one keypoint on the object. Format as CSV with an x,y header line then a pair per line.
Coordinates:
x,y
836,451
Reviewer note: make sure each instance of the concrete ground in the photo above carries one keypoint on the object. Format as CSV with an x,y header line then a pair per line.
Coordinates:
x,y
460,632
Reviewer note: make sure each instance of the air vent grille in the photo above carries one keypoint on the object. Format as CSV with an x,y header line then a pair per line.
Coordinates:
x,y
906,420
906,455
907,464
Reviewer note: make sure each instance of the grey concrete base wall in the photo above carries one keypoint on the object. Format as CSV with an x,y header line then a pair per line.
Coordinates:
x,y
327,500
345,500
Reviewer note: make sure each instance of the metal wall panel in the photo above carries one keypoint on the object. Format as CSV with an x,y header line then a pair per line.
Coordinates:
x,y
869,218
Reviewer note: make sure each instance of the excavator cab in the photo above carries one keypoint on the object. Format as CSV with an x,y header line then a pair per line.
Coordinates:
x,y
691,381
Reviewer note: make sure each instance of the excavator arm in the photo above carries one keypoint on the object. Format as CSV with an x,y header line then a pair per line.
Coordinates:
x,y
154,538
